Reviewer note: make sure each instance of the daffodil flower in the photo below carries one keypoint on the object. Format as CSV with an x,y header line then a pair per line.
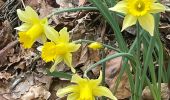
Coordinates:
x,y
33,27
59,48
139,10
85,89
95,45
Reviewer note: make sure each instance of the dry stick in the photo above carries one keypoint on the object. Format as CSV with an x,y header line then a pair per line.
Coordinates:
x,y
8,47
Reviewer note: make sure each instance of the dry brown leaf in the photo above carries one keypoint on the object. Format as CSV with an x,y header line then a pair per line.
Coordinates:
x,y
146,94
45,9
1,3
112,69
36,92
47,80
2,98
64,3
21,89
5,75
82,2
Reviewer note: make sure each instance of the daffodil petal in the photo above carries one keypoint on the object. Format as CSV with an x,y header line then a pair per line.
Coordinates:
x,y
103,91
31,14
42,39
153,0
73,47
25,40
120,7
157,7
73,96
24,27
64,35
69,89
77,79
147,23
97,82
57,61
68,61
23,16
129,20
51,33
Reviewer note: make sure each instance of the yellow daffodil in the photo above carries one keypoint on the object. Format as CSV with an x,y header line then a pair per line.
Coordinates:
x,y
32,29
59,49
85,89
139,10
95,45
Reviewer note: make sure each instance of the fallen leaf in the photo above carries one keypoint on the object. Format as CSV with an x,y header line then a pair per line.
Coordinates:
x,y
36,92
146,94
82,2
5,75
112,71
1,3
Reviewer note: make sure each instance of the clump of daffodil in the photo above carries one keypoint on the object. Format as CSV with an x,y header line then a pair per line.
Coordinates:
x,y
33,27
59,48
95,45
139,10
85,89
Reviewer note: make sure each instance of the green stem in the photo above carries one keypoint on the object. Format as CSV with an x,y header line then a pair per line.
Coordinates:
x,y
113,23
103,68
138,68
151,89
103,72
57,11
106,59
105,45
160,54
146,61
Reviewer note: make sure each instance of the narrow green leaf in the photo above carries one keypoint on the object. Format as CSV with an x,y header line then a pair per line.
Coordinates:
x,y
59,74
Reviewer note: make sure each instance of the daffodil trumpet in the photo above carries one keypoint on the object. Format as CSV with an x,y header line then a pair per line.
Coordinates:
x,y
85,89
32,28
59,49
139,10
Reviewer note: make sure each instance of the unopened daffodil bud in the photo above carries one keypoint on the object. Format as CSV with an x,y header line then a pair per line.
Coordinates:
x,y
95,45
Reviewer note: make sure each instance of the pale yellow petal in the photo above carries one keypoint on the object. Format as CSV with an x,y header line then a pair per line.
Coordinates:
x,y
72,47
77,79
31,14
96,82
129,20
31,11
64,35
43,39
24,27
57,61
51,33
68,60
147,23
23,16
103,91
73,96
157,7
153,0
69,89
120,7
